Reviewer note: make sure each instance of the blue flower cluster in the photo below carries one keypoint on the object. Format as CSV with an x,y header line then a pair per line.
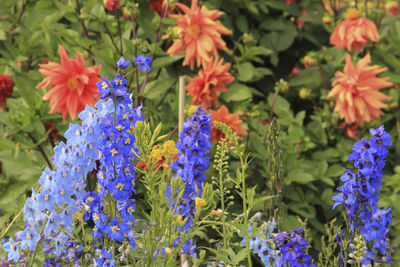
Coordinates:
x,y
116,173
359,196
194,145
62,189
292,246
262,244
106,136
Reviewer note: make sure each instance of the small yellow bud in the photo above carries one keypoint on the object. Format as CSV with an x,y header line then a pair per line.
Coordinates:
x,y
304,93
168,251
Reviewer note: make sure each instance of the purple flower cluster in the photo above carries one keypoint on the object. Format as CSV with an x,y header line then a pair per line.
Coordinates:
x,y
292,246
194,145
359,196
116,173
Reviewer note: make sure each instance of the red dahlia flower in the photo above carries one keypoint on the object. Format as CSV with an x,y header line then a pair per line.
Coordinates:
x,y
73,86
6,89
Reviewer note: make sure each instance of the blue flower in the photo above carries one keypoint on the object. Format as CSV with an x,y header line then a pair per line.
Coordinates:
x,y
29,238
292,246
143,62
122,63
359,195
106,259
116,230
60,242
12,248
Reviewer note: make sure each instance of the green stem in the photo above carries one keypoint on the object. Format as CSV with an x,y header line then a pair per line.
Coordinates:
x,y
34,251
246,215
221,190
271,112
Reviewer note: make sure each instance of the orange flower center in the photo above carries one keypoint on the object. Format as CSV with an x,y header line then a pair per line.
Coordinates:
x,y
73,83
353,14
194,30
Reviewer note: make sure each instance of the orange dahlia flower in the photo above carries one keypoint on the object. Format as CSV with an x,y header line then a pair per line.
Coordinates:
x,y
73,86
200,34
356,91
354,32
210,80
232,120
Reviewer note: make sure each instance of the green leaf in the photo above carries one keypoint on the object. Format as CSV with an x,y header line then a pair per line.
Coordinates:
x,y
241,23
162,62
237,92
310,76
2,35
26,89
21,167
257,143
245,71
335,170
303,209
155,89
299,177
239,257
6,144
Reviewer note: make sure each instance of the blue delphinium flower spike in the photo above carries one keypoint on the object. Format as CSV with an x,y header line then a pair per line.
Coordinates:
x,y
359,196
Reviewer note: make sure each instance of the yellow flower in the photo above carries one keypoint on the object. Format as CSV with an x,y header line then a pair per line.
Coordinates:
x,y
180,220
200,202
157,153
170,148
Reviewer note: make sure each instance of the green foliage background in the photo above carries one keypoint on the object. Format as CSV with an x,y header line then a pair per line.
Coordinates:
x,y
265,45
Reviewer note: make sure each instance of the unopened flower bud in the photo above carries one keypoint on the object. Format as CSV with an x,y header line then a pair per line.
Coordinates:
x,y
304,93
168,251
327,19
310,61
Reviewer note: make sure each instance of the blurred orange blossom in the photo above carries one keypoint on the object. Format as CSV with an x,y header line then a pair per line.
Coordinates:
x,y
200,34
73,86
354,32
356,91
232,120
210,80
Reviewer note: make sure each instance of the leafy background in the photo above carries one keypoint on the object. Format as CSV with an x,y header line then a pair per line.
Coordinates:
x,y
265,45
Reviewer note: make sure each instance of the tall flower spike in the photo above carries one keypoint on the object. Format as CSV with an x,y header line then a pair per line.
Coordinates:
x,y
200,34
359,196
194,146
116,173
